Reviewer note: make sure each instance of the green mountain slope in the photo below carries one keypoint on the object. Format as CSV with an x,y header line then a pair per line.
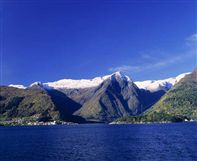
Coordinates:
x,y
36,104
178,104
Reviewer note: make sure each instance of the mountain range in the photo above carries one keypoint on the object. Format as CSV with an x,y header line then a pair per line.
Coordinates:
x,y
102,99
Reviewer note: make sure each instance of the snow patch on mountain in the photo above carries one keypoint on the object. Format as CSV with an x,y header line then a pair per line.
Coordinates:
x,y
17,86
156,85
36,84
42,85
84,83
151,85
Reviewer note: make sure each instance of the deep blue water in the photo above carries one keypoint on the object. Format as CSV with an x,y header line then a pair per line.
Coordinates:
x,y
100,142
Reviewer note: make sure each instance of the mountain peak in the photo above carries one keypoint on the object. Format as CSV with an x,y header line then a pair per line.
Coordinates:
x,y
36,84
120,75
41,85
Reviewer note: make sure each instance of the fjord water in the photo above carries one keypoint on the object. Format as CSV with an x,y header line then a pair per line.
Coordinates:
x,y
100,142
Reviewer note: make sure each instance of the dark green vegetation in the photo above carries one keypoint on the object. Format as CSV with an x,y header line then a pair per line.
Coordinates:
x,y
178,104
31,104
35,104
155,117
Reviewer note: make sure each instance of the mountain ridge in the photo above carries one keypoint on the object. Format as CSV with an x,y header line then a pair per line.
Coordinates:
x,y
163,84
150,85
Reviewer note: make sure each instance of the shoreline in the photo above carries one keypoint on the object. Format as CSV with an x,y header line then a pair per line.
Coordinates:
x,y
71,123
11,123
162,122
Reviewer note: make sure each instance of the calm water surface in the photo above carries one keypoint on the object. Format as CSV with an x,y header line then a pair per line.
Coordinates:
x,y
100,142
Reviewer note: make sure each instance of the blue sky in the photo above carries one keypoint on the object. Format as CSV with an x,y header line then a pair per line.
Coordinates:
x,y
50,40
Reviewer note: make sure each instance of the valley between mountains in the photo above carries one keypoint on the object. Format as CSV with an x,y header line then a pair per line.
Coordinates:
x,y
112,98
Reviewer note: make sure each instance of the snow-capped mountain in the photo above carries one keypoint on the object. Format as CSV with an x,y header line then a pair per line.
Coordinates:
x,y
100,99
150,85
156,85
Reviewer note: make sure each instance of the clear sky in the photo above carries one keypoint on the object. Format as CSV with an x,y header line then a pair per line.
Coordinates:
x,y
51,40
